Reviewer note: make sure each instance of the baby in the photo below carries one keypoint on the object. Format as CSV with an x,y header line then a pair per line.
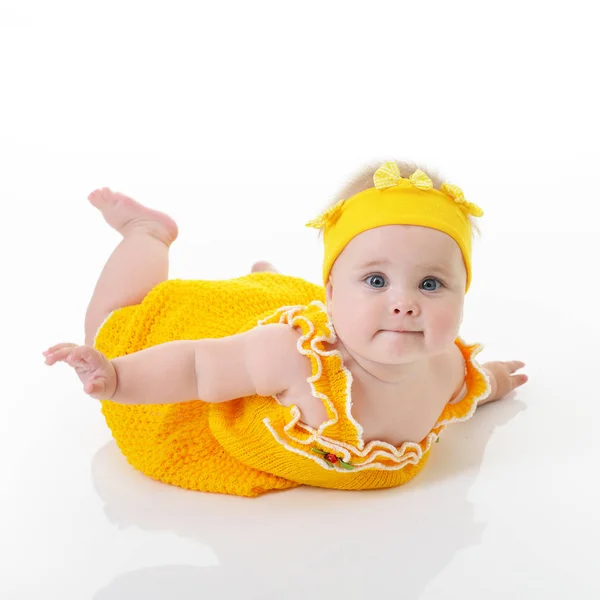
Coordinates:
x,y
267,381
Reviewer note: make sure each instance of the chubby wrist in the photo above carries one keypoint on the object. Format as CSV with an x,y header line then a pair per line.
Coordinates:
x,y
493,386
113,381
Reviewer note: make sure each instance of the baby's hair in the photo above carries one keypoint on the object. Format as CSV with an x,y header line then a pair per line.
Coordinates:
x,y
363,180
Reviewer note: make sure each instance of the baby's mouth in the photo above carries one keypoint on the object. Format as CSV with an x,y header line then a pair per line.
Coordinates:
x,y
403,331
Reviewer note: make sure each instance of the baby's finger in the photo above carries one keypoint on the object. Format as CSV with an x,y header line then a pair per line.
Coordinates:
x,y
58,347
514,365
79,354
94,386
60,354
517,380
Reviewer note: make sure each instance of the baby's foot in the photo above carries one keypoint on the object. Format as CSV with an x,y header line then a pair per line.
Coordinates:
x,y
125,215
263,267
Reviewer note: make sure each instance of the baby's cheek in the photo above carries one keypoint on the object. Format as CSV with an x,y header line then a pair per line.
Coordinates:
x,y
349,309
445,325
354,320
343,316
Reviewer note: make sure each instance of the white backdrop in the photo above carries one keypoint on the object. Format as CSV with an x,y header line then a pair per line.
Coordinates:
x,y
241,120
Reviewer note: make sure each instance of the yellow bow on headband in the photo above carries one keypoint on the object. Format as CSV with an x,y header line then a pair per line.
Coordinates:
x,y
388,175
457,195
327,216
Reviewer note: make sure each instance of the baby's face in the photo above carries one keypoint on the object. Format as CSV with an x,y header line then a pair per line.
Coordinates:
x,y
398,277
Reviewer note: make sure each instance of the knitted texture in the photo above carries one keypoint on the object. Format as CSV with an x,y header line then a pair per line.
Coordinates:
x,y
252,445
172,442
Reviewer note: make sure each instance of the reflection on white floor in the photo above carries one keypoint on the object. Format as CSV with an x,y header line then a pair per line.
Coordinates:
x,y
285,545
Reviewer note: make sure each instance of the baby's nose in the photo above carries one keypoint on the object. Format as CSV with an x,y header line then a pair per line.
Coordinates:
x,y
405,306
405,311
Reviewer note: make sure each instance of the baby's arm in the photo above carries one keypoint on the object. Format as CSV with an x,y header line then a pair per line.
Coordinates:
x,y
260,361
156,375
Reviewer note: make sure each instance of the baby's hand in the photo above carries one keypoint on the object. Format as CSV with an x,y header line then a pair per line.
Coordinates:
x,y
96,372
503,380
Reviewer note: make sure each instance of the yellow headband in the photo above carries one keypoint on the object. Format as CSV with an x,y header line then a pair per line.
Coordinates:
x,y
397,201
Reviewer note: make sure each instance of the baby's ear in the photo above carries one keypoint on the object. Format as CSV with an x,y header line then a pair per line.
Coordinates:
x,y
328,290
329,295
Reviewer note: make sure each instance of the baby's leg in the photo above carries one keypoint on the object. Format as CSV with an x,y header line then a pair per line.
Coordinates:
x,y
137,264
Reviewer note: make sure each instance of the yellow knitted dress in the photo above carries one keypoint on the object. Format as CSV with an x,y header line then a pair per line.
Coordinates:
x,y
252,445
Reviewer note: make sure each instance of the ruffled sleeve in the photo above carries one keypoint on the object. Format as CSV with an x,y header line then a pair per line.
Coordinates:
x,y
477,387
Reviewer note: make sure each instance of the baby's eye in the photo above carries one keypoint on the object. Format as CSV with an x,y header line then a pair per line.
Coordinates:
x,y
429,284
376,281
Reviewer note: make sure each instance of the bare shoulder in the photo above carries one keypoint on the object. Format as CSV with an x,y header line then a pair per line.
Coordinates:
x,y
295,370
451,368
275,360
